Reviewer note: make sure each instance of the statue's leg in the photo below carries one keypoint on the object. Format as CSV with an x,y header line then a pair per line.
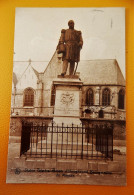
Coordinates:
x,y
71,69
64,67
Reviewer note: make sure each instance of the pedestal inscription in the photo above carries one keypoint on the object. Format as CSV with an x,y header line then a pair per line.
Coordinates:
x,y
67,101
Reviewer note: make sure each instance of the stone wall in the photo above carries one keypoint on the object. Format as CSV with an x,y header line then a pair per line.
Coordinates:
x,y
16,123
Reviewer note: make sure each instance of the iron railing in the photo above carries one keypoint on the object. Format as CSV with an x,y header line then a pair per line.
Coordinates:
x,y
59,141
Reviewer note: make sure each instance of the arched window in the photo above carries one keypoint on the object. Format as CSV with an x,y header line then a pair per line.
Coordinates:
x,y
29,97
53,91
121,96
90,97
106,97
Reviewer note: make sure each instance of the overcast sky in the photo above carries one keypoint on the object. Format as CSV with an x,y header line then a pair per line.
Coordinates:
x,y
37,31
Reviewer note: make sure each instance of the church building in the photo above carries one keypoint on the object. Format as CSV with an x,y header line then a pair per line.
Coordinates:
x,y
71,117
102,90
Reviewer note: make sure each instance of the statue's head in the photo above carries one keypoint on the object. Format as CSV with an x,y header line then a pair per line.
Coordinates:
x,y
71,24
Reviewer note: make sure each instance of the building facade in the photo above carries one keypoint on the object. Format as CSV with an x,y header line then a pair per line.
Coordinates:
x,y
102,91
78,118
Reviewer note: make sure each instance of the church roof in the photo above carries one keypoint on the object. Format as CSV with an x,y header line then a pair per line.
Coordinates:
x,y
92,72
21,66
96,72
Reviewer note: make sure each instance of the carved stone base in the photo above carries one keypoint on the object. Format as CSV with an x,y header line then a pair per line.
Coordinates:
x,y
67,100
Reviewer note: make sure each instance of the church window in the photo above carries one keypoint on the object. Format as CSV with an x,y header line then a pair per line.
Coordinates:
x,y
121,96
90,97
106,97
29,97
53,91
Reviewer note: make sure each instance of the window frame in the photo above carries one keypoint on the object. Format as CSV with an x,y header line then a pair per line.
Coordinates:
x,y
106,97
89,97
121,105
28,97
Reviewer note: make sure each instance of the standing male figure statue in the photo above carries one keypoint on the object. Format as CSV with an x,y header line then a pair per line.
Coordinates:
x,y
70,44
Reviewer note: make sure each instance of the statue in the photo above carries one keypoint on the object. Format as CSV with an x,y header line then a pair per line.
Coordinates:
x,y
70,44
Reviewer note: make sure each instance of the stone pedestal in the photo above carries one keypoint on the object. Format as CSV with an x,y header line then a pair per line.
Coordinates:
x,y
67,106
67,100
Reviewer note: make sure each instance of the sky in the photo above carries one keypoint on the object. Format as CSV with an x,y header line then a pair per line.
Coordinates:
x,y
37,31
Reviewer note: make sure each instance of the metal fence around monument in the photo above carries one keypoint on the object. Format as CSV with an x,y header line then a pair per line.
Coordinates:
x,y
68,142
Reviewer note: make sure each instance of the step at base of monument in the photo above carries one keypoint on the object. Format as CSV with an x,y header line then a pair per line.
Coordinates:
x,y
48,165
99,165
62,164
70,145
64,155
74,151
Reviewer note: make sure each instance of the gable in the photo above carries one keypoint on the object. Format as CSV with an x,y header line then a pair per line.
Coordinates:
x,y
54,66
28,79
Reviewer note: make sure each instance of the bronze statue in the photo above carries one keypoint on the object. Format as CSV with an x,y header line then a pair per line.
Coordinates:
x,y
70,44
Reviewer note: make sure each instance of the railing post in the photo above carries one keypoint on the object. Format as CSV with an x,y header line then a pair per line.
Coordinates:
x,y
52,140
46,130
31,139
37,139
41,137
57,141
62,139
67,142
77,143
21,137
72,142
82,143
107,133
87,133
112,127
